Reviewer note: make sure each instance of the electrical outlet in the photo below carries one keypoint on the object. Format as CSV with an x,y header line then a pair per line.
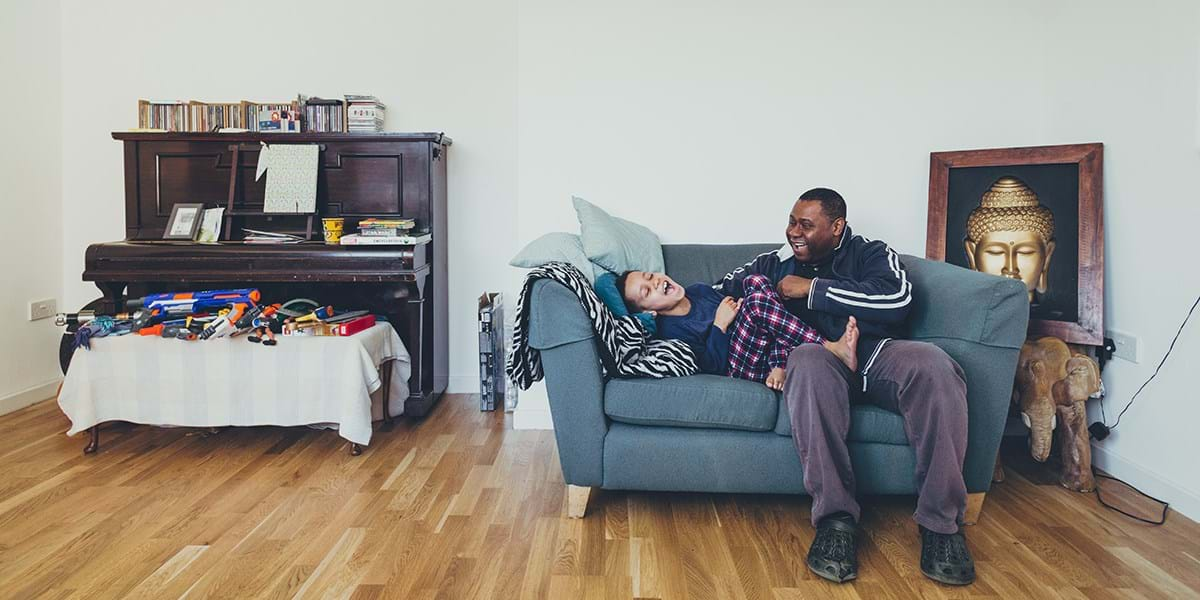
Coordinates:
x,y
42,309
1127,346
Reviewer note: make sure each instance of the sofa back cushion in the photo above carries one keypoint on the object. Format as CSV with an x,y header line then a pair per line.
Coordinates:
x,y
707,263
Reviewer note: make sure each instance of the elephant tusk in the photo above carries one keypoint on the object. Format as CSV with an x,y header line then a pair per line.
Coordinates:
x,y
1025,420
1053,421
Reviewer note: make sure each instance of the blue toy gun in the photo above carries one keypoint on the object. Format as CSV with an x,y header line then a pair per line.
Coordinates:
x,y
190,302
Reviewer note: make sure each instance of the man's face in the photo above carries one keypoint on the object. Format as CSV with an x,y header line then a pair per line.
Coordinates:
x,y
810,232
652,291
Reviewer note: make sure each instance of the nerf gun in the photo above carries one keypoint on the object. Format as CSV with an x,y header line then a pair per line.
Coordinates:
x,y
190,302
320,314
226,323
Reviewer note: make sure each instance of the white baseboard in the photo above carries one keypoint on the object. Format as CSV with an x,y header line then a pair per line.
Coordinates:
x,y
33,395
1184,502
532,419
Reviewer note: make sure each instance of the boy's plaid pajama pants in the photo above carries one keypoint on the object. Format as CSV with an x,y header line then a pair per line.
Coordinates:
x,y
764,332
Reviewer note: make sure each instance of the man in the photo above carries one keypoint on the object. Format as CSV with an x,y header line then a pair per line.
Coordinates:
x,y
827,275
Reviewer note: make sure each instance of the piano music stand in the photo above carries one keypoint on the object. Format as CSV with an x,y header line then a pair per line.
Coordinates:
x,y
231,213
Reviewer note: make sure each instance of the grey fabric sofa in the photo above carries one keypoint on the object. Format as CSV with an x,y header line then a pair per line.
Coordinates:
x,y
706,433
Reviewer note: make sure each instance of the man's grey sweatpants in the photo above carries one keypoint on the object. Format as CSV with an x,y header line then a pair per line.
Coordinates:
x,y
915,379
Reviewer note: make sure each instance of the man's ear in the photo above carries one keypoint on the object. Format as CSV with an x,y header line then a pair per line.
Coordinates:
x,y
1044,281
969,246
839,225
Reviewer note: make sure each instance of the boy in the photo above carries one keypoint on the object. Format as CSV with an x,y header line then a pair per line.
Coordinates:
x,y
763,331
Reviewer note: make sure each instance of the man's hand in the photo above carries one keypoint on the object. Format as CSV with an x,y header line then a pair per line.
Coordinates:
x,y
792,287
726,312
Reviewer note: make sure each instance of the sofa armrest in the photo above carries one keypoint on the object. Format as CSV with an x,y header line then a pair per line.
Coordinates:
x,y
980,321
562,332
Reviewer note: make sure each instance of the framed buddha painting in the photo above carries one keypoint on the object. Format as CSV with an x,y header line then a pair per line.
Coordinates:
x,y
1032,214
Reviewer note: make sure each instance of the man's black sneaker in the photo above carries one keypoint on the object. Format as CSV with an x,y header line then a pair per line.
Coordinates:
x,y
945,558
834,552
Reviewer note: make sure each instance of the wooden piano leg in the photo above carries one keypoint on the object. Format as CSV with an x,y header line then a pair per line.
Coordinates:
x,y
387,392
94,442
355,449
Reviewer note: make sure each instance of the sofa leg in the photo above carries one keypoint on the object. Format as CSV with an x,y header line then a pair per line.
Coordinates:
x,y
974,506
577,499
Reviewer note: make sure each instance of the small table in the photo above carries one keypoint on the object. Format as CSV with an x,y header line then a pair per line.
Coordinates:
x,y
304,380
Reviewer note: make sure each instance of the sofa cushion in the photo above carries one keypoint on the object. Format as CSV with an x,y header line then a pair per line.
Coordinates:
x,y
868,423
615,244
708,401
706,263
556,246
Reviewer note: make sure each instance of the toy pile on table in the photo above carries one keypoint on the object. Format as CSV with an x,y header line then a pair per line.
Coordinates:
x,y
215,314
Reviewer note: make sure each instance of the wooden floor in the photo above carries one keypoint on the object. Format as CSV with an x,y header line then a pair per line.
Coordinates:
x,y
461,506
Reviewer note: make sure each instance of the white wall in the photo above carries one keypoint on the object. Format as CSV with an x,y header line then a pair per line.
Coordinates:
x,y
439,66
1135,88
30,190
705,120
702,120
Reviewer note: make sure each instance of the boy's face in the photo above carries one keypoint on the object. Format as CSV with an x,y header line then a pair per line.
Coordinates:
x,y
652,291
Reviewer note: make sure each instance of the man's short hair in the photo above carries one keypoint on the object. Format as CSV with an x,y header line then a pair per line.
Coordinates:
x,y
832,203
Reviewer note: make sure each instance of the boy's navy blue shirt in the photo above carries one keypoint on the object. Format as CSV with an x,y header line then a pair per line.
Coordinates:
x,y
696,329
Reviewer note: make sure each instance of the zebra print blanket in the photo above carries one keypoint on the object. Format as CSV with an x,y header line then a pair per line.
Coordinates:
x,y
623,343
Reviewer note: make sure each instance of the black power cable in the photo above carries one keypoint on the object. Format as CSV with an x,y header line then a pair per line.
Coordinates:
x,y
1100,430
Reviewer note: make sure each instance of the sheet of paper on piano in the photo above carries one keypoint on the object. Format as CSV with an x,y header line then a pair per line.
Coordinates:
x,y
291,171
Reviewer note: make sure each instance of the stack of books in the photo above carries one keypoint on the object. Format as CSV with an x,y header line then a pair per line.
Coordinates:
x,y
385,232
374,227
324,115
364,114
255,236
166,115
277,118
207,116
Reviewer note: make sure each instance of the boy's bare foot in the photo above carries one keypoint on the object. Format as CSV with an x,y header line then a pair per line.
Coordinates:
x,y
775,379
846,349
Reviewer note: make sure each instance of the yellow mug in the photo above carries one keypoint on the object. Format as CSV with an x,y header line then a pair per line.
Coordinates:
x,y
332,228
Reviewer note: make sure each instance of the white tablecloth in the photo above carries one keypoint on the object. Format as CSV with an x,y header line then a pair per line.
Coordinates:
x,y
230,381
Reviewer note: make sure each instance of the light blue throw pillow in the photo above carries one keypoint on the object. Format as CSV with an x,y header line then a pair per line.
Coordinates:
x,y
555,247
606,289
615,244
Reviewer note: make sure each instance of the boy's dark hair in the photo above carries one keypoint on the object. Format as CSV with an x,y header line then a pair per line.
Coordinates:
x,y
621,279
832,203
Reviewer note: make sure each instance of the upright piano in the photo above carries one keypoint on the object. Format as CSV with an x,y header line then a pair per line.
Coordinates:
x,y
359,176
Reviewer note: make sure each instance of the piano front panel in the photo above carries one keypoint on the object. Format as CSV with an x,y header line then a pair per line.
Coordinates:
x,y
355,180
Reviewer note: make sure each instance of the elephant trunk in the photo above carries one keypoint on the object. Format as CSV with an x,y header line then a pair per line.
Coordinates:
x,y
1041,425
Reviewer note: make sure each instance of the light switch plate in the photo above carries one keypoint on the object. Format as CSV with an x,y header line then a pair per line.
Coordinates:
x,y
42,309
1127,346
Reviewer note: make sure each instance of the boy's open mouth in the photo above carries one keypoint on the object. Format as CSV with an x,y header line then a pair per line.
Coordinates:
x,y
667,287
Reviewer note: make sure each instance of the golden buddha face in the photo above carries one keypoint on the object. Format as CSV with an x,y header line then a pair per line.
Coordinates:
x,y
1011,234
1014,254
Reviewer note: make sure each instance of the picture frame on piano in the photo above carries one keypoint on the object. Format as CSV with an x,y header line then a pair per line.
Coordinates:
x,y
184,223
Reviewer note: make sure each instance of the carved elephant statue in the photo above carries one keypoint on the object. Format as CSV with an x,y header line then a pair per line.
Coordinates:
x,y
1052,388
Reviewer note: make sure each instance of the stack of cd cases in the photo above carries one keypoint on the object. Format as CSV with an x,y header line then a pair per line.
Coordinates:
x,y
493,388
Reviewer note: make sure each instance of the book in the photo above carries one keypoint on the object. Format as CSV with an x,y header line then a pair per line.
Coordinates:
x,y
392,223
355,325
355,239
384,232
364,114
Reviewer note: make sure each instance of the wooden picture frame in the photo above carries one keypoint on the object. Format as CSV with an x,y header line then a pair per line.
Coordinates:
x,y
1080,163
184,222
